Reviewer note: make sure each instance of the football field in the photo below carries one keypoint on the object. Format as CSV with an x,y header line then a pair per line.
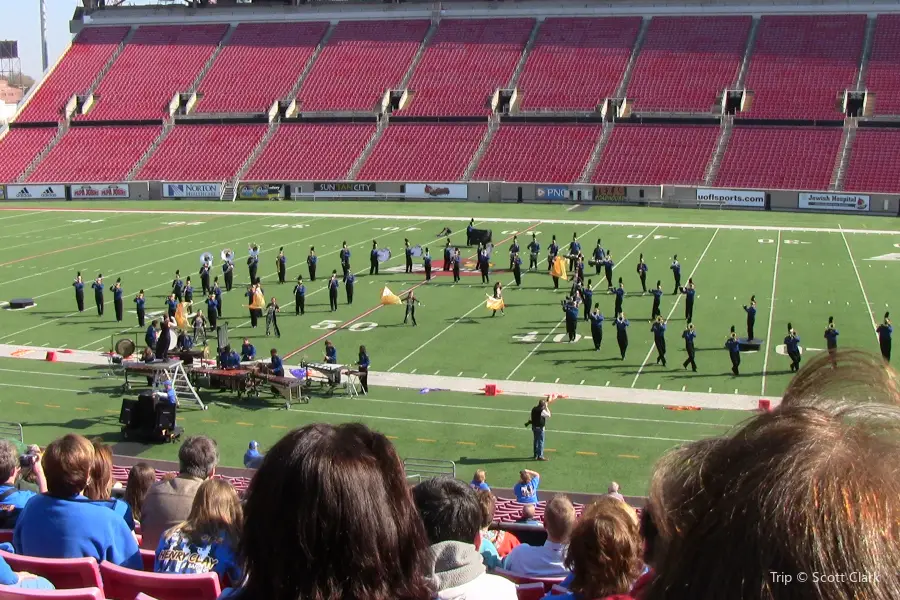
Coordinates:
x,y
802,268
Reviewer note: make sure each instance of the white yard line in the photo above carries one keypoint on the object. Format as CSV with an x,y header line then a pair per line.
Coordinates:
x,y
768,341
675,305
861,286
555,327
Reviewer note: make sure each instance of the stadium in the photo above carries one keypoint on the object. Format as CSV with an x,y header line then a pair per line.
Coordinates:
x,y
642,255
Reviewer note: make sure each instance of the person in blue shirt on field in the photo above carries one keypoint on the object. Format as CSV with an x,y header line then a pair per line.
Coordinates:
x,y
831,335
230,358
98,294
212,310
311,262
407,252
348,286
792,346
734,352
479,481
333,290
253,457
363,363
253,263
689,292
217,292
596,319
78,284
552,253
171,305
373,258
227,273
330,353
642,273
178,285
118,299
884,332
517,269
570,309
469,229
659,339
608,264
248,351
12,499
188,290
751,316
277,365
151,336
622,333
204,277
299,298
620,296
345,260
513,250
599,256
527,488
63,523
281,265
448,256
657,296
587,296
689,334
534,248
574,251
676,273
139,306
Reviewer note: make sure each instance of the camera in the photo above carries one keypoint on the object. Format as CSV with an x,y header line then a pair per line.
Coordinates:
x,y
26,461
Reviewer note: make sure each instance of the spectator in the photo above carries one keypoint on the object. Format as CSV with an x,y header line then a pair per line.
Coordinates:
x,y
169,502
547,560
252,457
810,487
141,477
13,500
613,491
208,539
100,483
478,481
503,541
63,523
22,580
452,517
489,553
604,552
329,516
527,488
528,516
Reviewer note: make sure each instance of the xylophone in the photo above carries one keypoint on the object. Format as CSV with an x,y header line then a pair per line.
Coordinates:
x,y
240,380
288,387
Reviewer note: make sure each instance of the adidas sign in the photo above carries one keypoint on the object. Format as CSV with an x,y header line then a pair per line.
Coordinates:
x,y
23,193
49,192
36,191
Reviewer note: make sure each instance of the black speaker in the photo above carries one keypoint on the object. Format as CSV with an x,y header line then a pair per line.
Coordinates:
x,y
165,417
128,413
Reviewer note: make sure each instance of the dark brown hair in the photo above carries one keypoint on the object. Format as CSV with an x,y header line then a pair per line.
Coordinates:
x,y
329,517
488,504
140,478
67,465
100,485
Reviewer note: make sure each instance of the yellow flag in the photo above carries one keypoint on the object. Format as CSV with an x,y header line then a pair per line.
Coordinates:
x,y
389,297
559,268
181,315
259,301
494,303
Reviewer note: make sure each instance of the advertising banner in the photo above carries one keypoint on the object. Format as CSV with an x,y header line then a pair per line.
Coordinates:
x,y
733,198
345,188
451,191
551,192
610,193
36,191
260,191
827,201
192,190
92,191
2,193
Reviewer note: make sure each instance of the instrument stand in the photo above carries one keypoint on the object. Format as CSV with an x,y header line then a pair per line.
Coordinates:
x,y
350,385
184,389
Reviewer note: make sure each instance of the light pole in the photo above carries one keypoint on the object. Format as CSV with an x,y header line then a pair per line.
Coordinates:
x,y
45,60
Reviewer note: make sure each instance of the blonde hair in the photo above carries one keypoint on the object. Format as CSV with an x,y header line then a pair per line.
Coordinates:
x,y
480,476
216,508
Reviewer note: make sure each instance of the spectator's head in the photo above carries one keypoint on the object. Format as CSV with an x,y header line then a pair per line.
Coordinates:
x,y
480,476
335,500
604,551
198,457
810,487
449,510
524,476
9,462
488,504
613,488
559,519
67,465
527,512
216,510
100,484
140,478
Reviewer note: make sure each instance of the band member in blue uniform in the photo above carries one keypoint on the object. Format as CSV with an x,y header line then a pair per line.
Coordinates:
x,y
407,252
622,333
659,339
831,336
272,310
642,273
792,346
217,292
608,264
579,268
534,248
188,290
345,261
299,297
657,296
277,366
734,352
212,309
596,319
248,351
171,306
485,266
139,304
689,292
469,229
227,273
151,335
574,251
118,300
330,353
885,330
253,267
204,276
78,284
373,258
363,363
751,317
281,265
620,296
333,284
599,256
498,294
98,294
163,340
513,251
178,286
552,253
689,334
426,262
448,257
517,269
570,307
676,273
311,262
587,298
411,302
348,287
457,259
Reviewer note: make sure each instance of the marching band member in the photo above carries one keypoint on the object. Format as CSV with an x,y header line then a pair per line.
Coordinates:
x,y
411,302
517,268
311,262
333,290
407,251
485,266
171,306
250,294
217,292
373,258
570,307
299,297
689,335
579,268
277,366
164,339
498,294
281,265
199,324
457,259
151,336
734,352
204,276
608,265
118,292
188,290
513,251
884,336
676,272
534,248
469,229
552,253
272,310
599,255
792,345
622,333
642,273
178,286
448,256
248,351
751,317
184,341
426,262
345,261
139,302
657,296
831,335
348,286
330,353
363,362
227,273
78,284
444,232
98,294
574,251
212,309
230,359
659,339
587,297
620,296
689,292
253,266
597,319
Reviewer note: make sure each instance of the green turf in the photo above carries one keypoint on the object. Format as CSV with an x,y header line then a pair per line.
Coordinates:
x,y
456,334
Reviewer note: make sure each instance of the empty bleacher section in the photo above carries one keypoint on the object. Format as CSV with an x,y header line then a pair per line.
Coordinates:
x,y
308,151
258,66
873,163
800,64
538,153
800,158
184,155
158,62
883,72
360,62
685,63
75,72
465,62
19,147
656,154
576,63
95,154
423,152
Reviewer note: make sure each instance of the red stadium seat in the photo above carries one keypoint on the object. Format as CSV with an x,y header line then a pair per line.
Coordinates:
x,y
883,72
121,583
6,535
63,573
148,557
558,590
530,591
546,582
13,593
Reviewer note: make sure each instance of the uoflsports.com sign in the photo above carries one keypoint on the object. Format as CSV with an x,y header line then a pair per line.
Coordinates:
x,y
733,198
105,190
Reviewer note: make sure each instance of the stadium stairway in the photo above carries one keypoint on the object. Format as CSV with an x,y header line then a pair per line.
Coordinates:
x,y
61,130
310,62
843,158
715,161
360,161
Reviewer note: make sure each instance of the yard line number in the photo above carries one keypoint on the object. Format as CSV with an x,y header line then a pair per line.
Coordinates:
x,y
389,229
788,242
287,226
532,338
84,221
185,223
360,327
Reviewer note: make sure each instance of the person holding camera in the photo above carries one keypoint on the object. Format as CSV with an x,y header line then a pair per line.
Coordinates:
x,y
12,498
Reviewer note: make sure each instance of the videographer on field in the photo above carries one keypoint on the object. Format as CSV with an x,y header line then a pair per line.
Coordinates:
x,y
12,468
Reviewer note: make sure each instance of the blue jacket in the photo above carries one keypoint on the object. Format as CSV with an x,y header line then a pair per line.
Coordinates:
x,y
792,343
733,345
596,322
